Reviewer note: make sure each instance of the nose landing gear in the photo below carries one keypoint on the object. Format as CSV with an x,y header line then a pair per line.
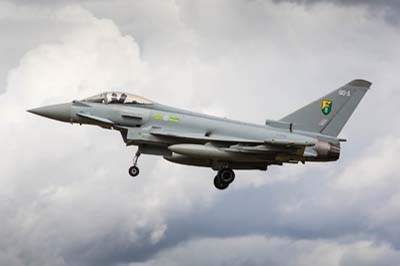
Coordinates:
x,y
134,170
224,178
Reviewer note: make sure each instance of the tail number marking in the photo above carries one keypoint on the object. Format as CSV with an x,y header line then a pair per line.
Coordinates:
x,y
344,93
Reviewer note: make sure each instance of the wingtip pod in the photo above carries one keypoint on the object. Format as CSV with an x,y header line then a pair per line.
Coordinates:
x,y
361,83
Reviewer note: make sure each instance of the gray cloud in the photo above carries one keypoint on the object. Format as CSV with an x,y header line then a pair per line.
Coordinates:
x,y
64,191
256,250
385,4
388,9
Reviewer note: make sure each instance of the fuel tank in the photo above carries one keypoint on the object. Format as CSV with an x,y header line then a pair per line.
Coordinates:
x,y
199,151
211,152
214,164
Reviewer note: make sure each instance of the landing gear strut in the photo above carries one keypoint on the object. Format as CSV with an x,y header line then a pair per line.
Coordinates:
x,y
134,170
224,178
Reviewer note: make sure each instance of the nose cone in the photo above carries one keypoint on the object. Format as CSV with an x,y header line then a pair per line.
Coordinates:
x,y
60,112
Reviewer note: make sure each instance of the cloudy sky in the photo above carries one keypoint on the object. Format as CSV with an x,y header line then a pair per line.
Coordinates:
x,y
66,197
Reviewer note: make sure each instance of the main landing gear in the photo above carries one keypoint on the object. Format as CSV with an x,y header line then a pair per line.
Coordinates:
x,y
224,178
134,170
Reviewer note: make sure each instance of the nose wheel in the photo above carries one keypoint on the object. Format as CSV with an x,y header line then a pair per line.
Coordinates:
x,y
224,178
134,170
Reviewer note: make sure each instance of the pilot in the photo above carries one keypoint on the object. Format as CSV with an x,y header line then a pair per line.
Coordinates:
x,y
122,98
114,98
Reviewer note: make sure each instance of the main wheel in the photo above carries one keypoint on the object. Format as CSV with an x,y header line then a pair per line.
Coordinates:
x,y
227,175
134,171
219,184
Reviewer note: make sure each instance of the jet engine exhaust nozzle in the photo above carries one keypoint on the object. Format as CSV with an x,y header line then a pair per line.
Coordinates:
x,y
327,150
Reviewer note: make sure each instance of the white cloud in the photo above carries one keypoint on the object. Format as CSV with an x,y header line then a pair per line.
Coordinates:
x,y
376,167
62,187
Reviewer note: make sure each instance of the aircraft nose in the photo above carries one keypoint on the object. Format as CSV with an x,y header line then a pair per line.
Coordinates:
x,y
60,112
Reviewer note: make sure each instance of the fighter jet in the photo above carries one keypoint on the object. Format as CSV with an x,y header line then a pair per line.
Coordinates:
x,y
309,134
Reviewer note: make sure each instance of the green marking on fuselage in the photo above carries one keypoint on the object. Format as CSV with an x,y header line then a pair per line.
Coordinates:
x,y
162,117
158,117
173,119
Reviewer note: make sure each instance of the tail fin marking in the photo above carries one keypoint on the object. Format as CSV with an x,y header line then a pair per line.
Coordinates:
x,y
329,114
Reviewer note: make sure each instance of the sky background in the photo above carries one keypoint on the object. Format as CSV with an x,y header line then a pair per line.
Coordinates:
x,y
65,194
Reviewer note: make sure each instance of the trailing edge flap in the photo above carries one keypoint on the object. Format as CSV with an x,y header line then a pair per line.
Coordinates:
x,y
217,138
96,118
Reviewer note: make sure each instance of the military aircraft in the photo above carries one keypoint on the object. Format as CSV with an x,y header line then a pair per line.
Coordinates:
x,y
306,135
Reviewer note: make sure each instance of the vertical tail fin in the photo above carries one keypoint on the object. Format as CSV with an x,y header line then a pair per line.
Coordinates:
x,y
329,114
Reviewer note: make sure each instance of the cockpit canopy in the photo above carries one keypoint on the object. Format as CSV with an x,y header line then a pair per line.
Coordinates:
x,y
117,98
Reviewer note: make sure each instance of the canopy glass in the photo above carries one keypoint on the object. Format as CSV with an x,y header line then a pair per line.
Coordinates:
x,y
117,98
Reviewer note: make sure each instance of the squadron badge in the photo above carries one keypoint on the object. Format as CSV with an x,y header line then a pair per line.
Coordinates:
x,y
326,107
